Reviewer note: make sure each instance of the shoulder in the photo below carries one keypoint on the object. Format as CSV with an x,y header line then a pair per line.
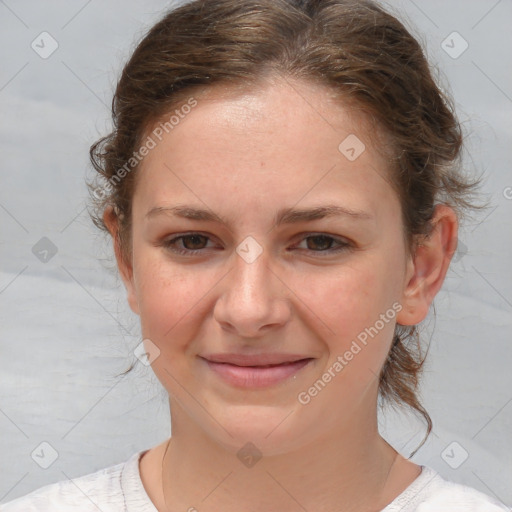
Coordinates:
x,y
102,490
432,493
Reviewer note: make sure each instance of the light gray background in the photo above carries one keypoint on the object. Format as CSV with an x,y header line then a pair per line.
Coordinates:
x,y
65,329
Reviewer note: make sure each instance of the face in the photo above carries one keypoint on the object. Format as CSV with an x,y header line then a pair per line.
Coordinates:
x,y
257,240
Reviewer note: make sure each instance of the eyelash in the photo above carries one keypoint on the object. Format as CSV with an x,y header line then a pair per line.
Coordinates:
x,y
342,245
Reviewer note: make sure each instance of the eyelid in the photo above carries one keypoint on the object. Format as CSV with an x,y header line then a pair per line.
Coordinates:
x,y
168,242
340,243
308,234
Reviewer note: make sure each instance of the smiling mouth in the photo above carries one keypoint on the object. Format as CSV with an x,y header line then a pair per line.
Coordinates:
x,y
266,365
256,375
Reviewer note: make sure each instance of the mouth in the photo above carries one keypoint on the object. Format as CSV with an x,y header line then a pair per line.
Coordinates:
x,y
245,371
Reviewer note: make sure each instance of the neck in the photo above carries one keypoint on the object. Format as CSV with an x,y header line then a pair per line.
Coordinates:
x,y
349,470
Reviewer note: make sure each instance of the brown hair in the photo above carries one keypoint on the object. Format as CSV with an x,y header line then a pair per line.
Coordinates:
x,y
356,49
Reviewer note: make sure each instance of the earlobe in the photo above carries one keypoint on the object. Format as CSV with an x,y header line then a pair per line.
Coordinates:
x,y
428,266
111,221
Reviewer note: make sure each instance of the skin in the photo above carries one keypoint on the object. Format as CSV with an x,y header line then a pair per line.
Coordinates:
x,y
244,155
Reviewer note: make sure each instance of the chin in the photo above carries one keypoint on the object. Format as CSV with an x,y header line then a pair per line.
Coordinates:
x,y
270,430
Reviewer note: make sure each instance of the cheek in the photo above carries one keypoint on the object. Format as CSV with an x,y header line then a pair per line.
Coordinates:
x,y
359,305
170,303
172,299
351,298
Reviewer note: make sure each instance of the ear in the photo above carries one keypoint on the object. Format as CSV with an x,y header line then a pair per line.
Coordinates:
x,y
427,267
111,220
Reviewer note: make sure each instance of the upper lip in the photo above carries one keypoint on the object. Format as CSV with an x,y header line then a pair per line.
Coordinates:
x,y
255,359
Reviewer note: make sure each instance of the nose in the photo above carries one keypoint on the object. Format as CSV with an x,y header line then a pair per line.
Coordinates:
x,y
253,299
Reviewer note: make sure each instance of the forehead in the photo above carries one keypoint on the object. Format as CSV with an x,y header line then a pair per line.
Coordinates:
x,y
275,103
282,138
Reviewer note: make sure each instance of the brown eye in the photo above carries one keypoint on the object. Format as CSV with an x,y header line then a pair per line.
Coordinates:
x,y
323,244
193,242
319,242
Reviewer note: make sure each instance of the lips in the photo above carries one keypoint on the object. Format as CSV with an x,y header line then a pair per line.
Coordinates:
x,y
255,371
270,359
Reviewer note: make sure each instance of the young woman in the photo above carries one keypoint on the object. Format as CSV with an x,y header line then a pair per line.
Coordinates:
x,y
282,191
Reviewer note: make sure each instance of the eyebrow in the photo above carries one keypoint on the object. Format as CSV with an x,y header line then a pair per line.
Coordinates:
x,y
283,216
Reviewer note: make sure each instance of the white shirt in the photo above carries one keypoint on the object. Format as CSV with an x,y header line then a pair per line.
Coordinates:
x,y
119,489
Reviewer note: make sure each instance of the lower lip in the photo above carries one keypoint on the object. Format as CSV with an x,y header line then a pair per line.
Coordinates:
x,y
254,376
